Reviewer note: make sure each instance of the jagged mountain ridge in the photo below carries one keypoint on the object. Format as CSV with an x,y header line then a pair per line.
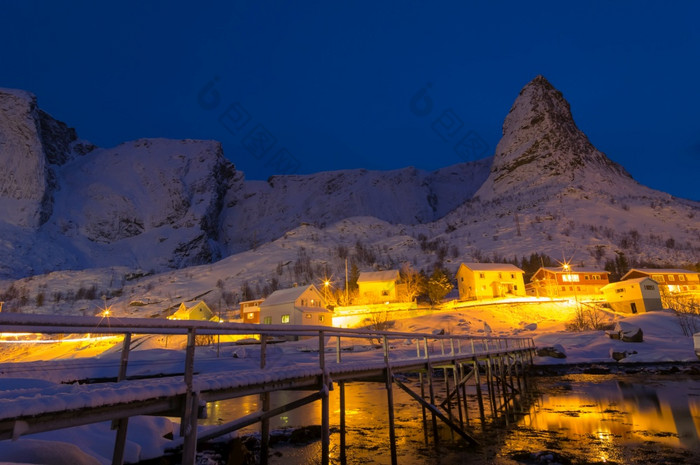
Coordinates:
x,y
157,204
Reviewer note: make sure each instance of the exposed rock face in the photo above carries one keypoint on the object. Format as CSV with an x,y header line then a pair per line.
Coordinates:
x,y
24,179
258,212
542,146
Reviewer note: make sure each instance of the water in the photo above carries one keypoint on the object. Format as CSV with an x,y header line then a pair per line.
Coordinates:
x,y
622,418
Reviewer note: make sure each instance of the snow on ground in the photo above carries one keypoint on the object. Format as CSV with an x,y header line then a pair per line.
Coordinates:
x,y
47,364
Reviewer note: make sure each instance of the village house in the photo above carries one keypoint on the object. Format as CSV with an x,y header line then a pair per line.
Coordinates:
x,y
302,305
674,281
199,311
635,295
250,310
378,286
567,282
476,281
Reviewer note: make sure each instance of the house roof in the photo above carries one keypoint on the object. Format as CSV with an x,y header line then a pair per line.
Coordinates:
x,y
573,270
378,276
626,281
492,267
198,311
651,271
284,296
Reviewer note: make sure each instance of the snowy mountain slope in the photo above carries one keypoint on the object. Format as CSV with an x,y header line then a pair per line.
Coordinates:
x,y
160,205
259,211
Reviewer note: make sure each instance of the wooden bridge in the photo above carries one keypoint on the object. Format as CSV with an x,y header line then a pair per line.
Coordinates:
x,y
494,366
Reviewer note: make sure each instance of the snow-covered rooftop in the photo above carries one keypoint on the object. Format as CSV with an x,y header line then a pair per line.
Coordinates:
x,y
492,267
378,276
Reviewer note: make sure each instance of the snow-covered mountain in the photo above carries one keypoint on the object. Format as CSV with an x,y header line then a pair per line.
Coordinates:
x,y
156,205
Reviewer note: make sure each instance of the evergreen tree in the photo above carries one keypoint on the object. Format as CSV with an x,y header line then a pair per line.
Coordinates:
x,y
439,285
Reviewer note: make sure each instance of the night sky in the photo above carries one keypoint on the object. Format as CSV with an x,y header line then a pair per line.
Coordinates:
x,y
302,87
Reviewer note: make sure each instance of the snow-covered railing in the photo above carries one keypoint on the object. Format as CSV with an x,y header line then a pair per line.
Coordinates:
x,y
356,356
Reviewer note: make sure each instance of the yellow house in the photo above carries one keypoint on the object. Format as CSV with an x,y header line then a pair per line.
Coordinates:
x,y
378,286
198,311
636,295
476,281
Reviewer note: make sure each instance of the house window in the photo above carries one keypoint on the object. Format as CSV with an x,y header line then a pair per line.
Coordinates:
x,y
285,318
578,288
500,275
482,275
321,318
657,277
670,277
512,276
585,277
596,276
267,320
570,278
461,278
385,292
563,288
250,315
681,278
515,287
307,316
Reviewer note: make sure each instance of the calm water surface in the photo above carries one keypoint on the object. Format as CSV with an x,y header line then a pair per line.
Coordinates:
x,y
626,419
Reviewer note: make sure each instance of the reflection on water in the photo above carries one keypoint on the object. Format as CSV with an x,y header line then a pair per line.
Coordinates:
x,y
613,418
588,418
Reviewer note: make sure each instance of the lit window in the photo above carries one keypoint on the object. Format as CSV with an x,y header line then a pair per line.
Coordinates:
x,y
307,316
657,277
285,318
267,320
670,277
570,278
250,315
321,318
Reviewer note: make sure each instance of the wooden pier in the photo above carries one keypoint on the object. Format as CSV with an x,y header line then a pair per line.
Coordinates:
x,y
494,368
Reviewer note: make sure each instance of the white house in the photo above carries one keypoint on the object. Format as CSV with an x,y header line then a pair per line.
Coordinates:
x,y
634,295
477,281
378,286
302,305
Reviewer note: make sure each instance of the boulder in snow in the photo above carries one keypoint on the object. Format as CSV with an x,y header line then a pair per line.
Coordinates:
x,y
555,351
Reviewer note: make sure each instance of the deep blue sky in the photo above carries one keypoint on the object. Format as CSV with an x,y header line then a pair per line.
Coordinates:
x,y
332,85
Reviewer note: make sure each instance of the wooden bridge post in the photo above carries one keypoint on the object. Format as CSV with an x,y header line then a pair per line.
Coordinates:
x,y
325,407
390,401
431,390
188,427
341,388
122,424
479,394
265,400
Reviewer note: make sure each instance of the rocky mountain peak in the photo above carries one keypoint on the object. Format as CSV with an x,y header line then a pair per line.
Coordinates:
x,y
541,145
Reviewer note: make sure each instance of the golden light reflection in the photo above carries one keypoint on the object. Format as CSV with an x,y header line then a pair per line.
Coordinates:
x,y
617,411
